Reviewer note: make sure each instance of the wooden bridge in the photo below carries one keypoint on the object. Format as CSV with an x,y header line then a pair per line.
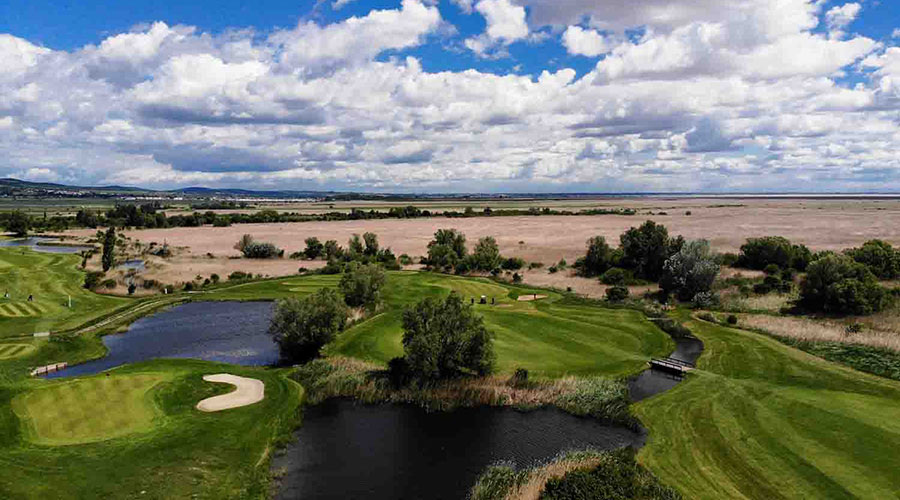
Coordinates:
x,y
671,365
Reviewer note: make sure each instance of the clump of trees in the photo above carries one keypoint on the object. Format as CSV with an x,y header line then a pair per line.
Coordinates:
x,y
361,284
444,339
757,253
314,248
837,284
690,271
252,249
18,223
879,256
301,327
645,249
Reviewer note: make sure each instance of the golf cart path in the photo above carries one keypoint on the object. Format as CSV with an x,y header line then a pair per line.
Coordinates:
x,y
248,392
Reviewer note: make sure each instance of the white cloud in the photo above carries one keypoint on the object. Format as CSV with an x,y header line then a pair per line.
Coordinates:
x,y
585,42
339,4
837,18
505,25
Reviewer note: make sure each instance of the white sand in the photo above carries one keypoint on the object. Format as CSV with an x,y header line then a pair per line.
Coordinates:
x,y
530,297
248,392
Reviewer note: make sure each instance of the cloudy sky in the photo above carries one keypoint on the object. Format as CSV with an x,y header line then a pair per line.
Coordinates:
x,y
454,95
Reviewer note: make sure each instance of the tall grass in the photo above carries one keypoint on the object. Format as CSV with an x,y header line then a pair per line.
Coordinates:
x,y
347,377
820,330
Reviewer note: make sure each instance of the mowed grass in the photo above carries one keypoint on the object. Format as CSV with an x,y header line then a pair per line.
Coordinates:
x,y
92,409
548,337
9,351
51,279
759,419
170,450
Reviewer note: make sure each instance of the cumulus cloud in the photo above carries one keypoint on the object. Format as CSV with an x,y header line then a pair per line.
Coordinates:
x,y
837,18
708,95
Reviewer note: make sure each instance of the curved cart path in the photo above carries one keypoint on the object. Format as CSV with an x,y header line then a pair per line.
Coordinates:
x,y
249,391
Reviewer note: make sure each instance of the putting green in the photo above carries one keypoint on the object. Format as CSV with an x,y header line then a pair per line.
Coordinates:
x,y
9,351
89,410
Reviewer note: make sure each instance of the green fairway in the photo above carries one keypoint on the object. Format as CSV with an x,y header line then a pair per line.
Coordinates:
x,y
549,337
147,440
762,420
9,351
87,410
51,279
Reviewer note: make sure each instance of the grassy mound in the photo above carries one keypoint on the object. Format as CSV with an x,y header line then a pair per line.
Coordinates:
x,y
51,279
758,419
87,410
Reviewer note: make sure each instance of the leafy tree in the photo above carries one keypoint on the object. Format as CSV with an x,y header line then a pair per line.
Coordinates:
x,y
879,256
646,248
598,259
616,276
109,249
371,240
486,256
616,293
757,253
18,223
314,248
301,327
838,284
92,279
445,339
332,250
355,247
691,271
362,284
260,250
447,249
513,263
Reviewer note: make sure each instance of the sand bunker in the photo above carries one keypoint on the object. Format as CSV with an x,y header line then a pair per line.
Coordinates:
x,y
530,297
248,392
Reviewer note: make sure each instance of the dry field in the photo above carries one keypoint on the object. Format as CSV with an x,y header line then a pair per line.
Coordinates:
x,y
881,330
820,224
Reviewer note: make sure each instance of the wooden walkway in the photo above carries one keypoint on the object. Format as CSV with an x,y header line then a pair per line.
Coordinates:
x,y
671,365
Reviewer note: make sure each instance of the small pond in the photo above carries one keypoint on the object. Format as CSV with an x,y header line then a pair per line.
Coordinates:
x,y
349,450
652,381
39,243
135,264
229,332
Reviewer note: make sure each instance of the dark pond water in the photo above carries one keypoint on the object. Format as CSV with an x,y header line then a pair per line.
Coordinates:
x,y
35,243
230,332
346,450
652,381
136,264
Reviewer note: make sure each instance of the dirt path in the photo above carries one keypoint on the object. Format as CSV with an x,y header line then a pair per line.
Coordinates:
x,y
248,392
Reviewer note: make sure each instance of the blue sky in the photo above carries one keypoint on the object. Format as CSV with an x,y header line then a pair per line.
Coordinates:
x,y
454,95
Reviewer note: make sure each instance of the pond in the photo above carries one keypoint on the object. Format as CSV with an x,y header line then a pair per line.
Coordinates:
x,y
40,244
229,332
652,381
349,450
135,264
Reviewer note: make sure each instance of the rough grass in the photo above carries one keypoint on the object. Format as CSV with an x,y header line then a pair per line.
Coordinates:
x,y
87,410
758,419
51,279
821,330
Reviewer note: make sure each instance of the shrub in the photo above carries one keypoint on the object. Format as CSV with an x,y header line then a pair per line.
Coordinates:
x,y
838,284
705,300
108,283
617,476
616,293
616,276
214,278
519,378
772,269
446,338
92,279
222,221
762,289
535,265
879,256
705,316
243,242
238,276
598,259
131,288
189,286
516,278
405,260
757,253
732,319
258,250
314,248
301,327
552,269
361,284
726,259
332,250
512,264
332,267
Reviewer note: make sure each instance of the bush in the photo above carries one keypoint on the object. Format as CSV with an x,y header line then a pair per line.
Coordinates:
x,y
108,283
332,267
726,259
690,272
732,319
222,221
405,260
239,276
757,253
486,255
399,372
445,339
879,256
616,293
705,300
552,269
516,278
762,289
301,327
598,259
513,264
214,278
131,288
772,269
314,248
519,378
616,276
243,242
838,284
361,284
92,279
535,265
705,316
618,476
257,250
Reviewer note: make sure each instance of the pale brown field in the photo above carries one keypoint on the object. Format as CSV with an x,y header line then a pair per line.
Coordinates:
x,y
881,330
727,223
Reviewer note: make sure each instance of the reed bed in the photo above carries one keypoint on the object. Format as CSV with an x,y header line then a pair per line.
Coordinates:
x,y
820,330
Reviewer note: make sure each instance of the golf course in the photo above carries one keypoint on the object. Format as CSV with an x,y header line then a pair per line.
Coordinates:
x,y
756,419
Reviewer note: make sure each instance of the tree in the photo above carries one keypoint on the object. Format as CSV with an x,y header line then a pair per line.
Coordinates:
x,y
362,284
371,240
445,338
301,327
447,249
355,247
838,284
242,243
314,248
109,249
486,256
616,293
598,259
92,279
757,253
879,256
332,250
692,270
18,223
260,250
645,249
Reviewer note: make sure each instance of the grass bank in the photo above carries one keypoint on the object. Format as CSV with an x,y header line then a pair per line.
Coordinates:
x,y
758,419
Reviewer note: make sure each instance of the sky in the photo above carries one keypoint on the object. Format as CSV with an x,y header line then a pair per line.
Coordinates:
x,y
438,96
